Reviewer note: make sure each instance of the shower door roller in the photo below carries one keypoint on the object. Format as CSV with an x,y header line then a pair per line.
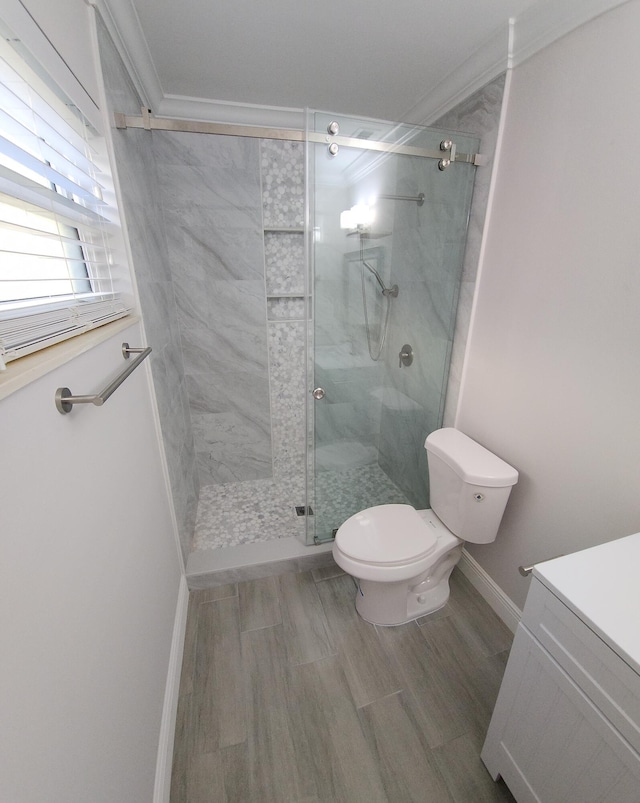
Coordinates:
x,y
318,393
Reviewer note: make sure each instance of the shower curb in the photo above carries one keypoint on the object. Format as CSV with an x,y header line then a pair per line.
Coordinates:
x,y
208,568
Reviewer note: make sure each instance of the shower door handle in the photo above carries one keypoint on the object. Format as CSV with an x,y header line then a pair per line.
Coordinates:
x,y
406,355
318,393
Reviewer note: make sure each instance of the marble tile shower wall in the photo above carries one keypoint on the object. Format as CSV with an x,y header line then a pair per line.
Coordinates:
x,y
427,258
402,422
480,115
139,188
211,202
229,205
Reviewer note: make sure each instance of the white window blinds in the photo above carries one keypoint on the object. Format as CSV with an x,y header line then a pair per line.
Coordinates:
x,y
55,273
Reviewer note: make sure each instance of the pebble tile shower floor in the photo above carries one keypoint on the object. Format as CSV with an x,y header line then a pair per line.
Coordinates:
x,y
261,510
287,695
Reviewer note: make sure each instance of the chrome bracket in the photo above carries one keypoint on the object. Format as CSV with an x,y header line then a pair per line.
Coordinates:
x,y
448,147
333,129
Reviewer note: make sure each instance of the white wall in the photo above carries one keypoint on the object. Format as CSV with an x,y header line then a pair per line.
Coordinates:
x,y
553,366
89,582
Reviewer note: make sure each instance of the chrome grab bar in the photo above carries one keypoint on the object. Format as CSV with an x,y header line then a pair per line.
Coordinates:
x,y
65,400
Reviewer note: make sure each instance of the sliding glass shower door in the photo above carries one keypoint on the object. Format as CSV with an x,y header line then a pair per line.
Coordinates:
x,y
389,206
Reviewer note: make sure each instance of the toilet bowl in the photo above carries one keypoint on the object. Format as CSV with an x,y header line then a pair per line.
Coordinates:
x,y
401,557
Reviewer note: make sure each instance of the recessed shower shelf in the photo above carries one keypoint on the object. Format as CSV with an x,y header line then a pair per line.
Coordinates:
x,y
286,307
283,230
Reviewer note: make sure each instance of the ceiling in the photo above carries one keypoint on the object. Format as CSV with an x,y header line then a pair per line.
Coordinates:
x,y
384,59
375,58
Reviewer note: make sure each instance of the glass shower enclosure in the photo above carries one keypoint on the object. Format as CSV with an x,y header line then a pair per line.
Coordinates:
x,y
388,212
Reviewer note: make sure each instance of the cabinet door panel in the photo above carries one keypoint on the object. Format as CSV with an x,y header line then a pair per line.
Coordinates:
x,y
549,742
612,685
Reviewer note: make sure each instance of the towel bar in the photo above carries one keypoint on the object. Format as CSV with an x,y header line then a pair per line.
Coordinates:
x,y
525,571
65,400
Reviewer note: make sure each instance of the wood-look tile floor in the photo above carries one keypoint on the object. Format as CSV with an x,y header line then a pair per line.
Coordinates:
x,y
287,695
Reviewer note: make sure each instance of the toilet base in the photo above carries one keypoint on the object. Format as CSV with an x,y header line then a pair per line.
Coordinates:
x,y
389,604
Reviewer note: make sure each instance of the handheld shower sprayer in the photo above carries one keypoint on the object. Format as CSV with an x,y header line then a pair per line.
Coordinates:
x,y
375,350
359,219
386,291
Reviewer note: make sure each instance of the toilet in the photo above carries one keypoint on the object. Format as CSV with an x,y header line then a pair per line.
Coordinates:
x,y
402,557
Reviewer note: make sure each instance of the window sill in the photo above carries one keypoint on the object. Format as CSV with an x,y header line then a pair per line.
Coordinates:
x,y
20,373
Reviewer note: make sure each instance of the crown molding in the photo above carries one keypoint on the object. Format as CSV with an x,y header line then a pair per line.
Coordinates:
x,y
489,61
123,24
510,45
542,24
222,111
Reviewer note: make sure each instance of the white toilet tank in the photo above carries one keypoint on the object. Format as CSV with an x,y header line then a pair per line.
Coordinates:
x,y
469,485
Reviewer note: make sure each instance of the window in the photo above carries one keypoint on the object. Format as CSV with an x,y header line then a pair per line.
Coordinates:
x,y
55,219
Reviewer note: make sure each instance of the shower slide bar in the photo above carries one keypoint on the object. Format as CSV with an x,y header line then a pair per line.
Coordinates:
x,y
65,400
150,123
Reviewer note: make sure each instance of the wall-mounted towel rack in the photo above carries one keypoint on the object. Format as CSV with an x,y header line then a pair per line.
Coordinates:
x,y
65,399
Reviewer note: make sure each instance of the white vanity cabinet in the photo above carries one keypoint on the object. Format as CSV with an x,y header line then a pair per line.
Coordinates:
x,y
566,726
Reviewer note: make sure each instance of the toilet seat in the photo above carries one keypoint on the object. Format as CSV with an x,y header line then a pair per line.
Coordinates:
x,y
386,535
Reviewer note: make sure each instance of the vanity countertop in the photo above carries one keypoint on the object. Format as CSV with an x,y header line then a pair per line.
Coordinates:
x,y
602,585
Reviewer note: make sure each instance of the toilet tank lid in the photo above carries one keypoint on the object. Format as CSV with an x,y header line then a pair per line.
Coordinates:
x,y
471,461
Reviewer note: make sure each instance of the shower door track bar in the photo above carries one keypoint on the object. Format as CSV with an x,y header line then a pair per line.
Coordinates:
x,y
148,122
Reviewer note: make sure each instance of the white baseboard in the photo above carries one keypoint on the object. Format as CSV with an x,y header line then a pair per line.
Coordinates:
x,y
505,608
162,786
